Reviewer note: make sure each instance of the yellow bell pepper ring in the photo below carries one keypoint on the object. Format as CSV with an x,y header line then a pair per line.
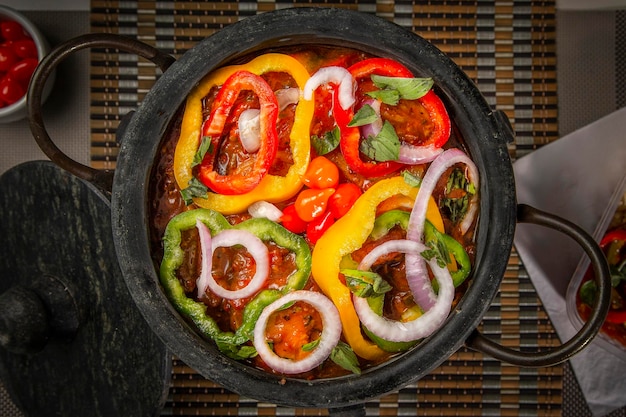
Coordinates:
x,y
272,188
346,236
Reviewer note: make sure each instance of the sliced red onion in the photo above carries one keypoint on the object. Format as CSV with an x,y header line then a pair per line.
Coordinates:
x,y
415,265
334,75
207,259
375,127
410,154
265,209
427,323
328,339
255,247
439,166
287,96
249,125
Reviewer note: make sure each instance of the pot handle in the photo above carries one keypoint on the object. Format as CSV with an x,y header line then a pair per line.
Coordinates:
x,y
556,355
103,179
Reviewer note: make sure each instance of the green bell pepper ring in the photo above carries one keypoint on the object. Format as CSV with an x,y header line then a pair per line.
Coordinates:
x,y
174,255
391,218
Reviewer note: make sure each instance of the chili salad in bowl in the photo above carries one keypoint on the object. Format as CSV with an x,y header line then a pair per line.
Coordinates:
x,y
313,211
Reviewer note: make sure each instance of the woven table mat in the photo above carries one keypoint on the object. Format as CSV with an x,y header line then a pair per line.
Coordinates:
x,y
507,47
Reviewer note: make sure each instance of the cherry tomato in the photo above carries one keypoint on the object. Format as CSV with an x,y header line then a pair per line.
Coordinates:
x,y
343,199
23,70
25,48
12,31
321,173
8,58
316,228
10,90
312,203
291,221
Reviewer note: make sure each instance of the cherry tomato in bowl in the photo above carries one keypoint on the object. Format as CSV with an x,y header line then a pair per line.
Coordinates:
x,y
21,47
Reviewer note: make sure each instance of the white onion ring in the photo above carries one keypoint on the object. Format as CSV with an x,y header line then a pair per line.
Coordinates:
x,y
335,75
328,339
207,259
265,209
415,265
249,125
427,323
410,154
287,96
257,250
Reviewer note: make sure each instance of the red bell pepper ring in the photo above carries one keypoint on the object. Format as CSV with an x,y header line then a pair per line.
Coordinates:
x,y
430,101
240,183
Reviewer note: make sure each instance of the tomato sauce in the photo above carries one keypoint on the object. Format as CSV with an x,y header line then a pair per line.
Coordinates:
x,y
233,267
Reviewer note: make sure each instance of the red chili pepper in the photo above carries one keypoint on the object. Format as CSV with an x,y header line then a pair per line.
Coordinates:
x,y
291,221
613,235
240,182
321,173
616,317
343,199
318,226
311,203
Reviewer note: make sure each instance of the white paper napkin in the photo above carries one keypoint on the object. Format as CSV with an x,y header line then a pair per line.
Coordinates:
x,y
576,178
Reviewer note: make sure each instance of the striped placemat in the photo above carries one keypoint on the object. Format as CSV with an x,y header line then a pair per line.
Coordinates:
x,y
507,47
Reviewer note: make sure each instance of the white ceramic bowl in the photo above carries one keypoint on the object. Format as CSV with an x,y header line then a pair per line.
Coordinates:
x,y
17,110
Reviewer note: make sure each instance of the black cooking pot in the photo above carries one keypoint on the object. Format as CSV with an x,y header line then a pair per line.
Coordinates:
x,y
485,131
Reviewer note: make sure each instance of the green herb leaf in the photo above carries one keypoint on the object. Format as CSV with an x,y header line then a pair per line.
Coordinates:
x,y
205,146
365,284
389,97
343,356
411,179
364,116
327,143
438,249
457,206
311,345
408,88
588,293
383,147
194,189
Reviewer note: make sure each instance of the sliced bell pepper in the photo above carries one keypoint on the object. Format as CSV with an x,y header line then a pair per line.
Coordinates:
x,y
271,188
431,103
347,235
461,266
240,182
174,256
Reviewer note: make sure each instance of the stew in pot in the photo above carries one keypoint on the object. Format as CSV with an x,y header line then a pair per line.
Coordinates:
x,y
313,211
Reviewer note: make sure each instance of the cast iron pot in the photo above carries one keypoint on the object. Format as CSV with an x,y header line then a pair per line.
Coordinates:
x,y
486,132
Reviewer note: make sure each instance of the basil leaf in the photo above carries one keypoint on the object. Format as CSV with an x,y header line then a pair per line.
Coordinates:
x,y
457,206
438,249
194,189
588,293
408,88
364,116
365,284
311,345
344,356
205,146
383,147
327,143
390,97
